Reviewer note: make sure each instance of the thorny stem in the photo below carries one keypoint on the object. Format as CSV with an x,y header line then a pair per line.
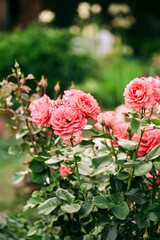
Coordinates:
x,y
134,158
153,189
27,124
78,175
112,151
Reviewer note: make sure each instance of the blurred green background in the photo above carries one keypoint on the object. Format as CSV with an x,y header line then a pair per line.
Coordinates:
x,y
99,45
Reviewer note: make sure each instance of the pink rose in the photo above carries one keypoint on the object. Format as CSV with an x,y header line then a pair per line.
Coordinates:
x,y
85,102
120,111
76,140
156,87
67,121
108,118
40,111
150,139
120,130
139,94
64,171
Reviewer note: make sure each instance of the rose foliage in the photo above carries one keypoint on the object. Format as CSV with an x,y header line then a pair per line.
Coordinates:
x,y
98,181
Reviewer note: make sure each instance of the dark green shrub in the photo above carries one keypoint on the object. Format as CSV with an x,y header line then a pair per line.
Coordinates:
x,y
44,51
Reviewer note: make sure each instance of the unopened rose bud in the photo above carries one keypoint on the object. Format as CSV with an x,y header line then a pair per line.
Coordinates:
x,y
72,85
30,76
43,82
37,89
158,230
16,65
57,87
145,236
19,73
22,81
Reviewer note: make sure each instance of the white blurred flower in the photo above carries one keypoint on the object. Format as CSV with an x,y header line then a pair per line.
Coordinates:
x,y
123,22
46,16
90,30
84,10
97,43
96,8
115,9
74,29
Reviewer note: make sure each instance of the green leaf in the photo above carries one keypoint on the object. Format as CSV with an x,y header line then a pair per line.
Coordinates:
x,y
155,121
42,157
135,123
48,206
14,149
154,153
65,195
32,202
47,236
105,135
112,234
109,233
140,220
127,144
137,195
123,175
85,170
118,197
103,202
36,166
85,210
143,168
102,161
6,90
71,208
153,216
39,177
53,160
139,124
121,210
87,143
115,184
120,162
32,231
21,133
157,165
18,177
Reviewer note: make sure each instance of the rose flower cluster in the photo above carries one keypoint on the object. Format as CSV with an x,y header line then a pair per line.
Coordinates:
x,y
67,116
139,93
142,93
115,125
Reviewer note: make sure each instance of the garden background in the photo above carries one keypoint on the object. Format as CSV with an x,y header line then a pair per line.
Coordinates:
x,y
99,47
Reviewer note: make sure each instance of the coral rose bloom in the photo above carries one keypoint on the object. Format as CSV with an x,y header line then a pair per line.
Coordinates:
x,y
119,130
85,102
108,118
139,94
40,112
156,87
67,121
64,171
150,139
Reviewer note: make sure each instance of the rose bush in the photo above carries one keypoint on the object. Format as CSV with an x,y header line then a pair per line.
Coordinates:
x,y
93,184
